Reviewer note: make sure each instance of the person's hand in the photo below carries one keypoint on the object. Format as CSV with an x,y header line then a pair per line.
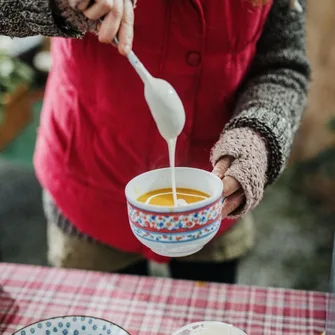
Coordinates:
x,y
232,190
115,17
240,159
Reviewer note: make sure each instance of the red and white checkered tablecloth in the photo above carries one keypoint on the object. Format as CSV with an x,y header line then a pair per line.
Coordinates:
x,y
153,306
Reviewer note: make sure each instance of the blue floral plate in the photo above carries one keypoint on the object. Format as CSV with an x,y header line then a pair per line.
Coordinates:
x,y
72,325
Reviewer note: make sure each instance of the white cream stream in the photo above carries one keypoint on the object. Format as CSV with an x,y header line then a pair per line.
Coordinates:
x,y
172,154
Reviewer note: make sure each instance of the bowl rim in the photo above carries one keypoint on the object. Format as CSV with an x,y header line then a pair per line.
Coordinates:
x,y
183,209
207,321
69,316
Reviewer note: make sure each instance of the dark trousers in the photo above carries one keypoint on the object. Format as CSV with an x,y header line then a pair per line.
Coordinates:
x,y
224,272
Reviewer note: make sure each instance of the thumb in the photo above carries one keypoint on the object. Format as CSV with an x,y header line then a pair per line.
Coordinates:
x,y
222,166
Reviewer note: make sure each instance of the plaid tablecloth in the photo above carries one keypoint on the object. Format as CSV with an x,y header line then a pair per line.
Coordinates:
x,y
153,306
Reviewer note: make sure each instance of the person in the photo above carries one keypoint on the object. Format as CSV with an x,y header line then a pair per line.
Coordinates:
x,y
241,70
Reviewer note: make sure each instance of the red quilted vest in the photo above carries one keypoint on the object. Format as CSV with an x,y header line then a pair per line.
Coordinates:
x,y
96,131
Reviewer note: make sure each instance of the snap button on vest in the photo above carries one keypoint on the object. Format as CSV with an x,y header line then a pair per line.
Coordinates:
x,y
193,58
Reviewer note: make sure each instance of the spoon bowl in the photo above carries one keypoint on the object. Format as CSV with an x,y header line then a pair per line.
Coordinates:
x,y
163,101
165,106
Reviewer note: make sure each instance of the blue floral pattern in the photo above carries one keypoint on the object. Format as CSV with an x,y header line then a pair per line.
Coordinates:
x,y
176,227
73,325
177,237
175,222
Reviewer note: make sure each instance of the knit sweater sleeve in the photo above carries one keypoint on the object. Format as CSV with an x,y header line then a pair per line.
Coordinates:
x,y
273,97
21,18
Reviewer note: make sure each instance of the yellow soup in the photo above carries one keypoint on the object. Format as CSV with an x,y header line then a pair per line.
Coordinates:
x,y
164,196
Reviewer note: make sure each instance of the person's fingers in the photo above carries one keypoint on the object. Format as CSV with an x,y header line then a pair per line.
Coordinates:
x,y
79,4
126,32
230,186
111,23
82,5
222,166
98,9
232,203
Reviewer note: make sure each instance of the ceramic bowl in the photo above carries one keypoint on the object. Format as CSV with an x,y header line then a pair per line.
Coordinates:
x,y
72,325
175,231
216,327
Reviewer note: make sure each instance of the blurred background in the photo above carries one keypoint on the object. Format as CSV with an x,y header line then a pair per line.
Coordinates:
x,y
295,222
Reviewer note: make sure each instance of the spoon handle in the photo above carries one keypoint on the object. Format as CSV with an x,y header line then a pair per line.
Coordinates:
x,y
137,64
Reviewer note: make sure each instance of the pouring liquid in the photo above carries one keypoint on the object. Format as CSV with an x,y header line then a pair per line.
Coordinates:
x,y
172,153
167,111
169,115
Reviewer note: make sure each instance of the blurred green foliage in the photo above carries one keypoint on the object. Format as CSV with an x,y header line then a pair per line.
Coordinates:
x,y
13,73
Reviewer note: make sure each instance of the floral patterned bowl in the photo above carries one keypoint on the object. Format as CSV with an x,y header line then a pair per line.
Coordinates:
x,y
72,325
175,231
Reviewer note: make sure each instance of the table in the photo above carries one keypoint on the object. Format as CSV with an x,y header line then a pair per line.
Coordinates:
x,y
149,306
